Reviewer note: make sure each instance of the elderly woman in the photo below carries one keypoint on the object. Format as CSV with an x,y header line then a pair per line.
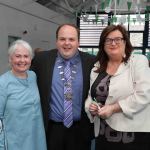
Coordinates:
x,y
119,98
21,122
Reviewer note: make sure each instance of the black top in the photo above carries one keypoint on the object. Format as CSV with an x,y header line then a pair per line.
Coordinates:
x,y
100,87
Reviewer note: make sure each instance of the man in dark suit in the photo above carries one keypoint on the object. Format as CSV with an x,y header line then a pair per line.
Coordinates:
x,y
49,67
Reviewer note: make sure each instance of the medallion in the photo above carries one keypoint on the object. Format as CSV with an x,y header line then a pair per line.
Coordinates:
x,y
68,96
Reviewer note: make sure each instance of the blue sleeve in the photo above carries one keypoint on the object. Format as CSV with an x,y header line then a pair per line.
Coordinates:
x,y
3,99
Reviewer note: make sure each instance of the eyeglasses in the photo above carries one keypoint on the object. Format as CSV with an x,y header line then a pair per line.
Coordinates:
x,y
117,40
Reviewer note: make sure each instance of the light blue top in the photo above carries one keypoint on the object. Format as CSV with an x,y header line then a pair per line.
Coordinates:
x,y
21,122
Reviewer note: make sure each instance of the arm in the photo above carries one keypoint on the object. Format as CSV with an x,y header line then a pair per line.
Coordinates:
x,y
90,108
140,73
107,110
2,109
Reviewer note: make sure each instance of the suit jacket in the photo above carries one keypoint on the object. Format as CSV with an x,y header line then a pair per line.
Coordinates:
x,y
43,65
130,86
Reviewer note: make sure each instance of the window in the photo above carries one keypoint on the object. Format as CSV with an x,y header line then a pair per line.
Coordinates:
x,y
90,31
136,39
137,27
92,51
11,39
149,34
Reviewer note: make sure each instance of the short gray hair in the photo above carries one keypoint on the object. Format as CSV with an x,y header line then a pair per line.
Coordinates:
x,y
25,44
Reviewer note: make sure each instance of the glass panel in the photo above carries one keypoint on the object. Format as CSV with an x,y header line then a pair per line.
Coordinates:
x,y
92,51
137,51
122,19
148,53
149,35
90,31
137,22
11,39
136,39
95,51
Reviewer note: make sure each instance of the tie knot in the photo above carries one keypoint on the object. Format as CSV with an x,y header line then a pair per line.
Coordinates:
x,y
67,63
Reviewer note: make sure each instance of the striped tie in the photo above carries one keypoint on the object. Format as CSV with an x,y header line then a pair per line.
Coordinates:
x,y
68,116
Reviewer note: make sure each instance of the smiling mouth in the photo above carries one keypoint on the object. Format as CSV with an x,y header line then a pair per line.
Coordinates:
x,y
67,49
22,65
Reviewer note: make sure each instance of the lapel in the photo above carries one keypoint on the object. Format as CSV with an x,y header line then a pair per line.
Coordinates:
x,y
84,71
49,65
121,68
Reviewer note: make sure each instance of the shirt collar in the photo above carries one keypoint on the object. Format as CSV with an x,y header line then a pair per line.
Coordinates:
x,y
74,60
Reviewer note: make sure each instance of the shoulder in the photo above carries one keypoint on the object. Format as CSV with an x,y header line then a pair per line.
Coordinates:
x,y
139,59
32,78
45,53
96,66
43,57
5,79
31,74
88,58
4,75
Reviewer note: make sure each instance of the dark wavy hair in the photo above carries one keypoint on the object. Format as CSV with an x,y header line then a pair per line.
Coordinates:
x,y
102,56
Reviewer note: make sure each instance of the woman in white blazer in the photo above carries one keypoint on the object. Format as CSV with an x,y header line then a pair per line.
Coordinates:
x,y
119,98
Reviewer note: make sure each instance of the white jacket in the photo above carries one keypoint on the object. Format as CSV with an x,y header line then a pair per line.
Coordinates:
x,y
130,86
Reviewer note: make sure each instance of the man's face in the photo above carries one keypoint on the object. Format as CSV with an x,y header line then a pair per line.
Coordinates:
x,y
67,41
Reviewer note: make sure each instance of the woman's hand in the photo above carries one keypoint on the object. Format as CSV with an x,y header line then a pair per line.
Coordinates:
x,y
107,110
93,108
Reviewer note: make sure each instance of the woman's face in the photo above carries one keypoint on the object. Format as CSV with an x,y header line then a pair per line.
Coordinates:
x,y
114,44
20,60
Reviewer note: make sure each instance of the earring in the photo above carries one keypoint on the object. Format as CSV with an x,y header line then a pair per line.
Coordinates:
x,y
124,55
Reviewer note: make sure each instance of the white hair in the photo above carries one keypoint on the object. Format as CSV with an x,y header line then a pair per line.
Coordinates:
x,y
23,43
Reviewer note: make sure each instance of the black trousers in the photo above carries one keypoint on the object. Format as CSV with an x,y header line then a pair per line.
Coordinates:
x,y
61,138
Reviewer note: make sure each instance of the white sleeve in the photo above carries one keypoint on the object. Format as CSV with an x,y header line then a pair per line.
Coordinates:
x,y
141,80
89,98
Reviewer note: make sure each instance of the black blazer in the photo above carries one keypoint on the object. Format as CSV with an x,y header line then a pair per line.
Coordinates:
x,y
43,66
